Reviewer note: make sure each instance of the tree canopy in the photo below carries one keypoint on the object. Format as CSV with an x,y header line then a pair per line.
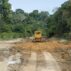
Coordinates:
x,y
18,21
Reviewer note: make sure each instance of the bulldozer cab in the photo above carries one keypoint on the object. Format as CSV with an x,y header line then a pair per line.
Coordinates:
x,y
38,37
38,34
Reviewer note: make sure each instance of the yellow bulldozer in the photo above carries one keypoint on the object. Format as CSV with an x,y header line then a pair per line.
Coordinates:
x,y
38,37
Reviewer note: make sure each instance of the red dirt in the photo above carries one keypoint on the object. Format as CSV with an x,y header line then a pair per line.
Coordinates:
x,y
49,45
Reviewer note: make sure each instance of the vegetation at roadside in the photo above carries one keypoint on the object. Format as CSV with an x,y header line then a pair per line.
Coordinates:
x,y
14,24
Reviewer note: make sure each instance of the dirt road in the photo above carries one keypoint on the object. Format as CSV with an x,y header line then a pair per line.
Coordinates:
x,y
3,66
35,56
41,62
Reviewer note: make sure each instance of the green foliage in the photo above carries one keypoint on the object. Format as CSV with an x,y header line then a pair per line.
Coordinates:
x,y
5,10
21,24
60,22
10,35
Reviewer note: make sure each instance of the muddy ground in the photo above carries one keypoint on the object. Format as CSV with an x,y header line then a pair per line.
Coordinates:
x,y
23,55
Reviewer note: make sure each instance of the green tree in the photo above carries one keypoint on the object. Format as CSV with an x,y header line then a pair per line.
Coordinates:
x,y
59,23
6,10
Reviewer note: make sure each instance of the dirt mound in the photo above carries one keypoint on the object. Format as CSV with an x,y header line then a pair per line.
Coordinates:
x,y
50,45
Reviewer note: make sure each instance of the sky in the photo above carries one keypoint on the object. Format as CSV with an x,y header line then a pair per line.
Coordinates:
x,y
41,5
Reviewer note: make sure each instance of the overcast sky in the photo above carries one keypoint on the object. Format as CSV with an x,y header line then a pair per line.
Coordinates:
x,y
41,5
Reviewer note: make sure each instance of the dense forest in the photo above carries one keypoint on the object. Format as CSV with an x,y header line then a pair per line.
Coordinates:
x,y
18,23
